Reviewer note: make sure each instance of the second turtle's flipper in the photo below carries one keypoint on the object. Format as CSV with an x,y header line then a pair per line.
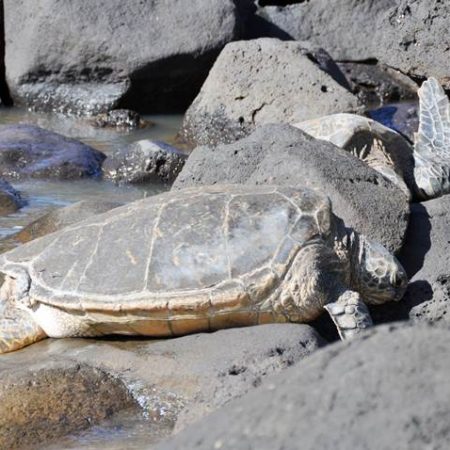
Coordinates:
x,y
350,314
17,328
432,142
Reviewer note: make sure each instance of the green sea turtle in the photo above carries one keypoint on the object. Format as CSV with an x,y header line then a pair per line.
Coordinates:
x,y
193,260
422,171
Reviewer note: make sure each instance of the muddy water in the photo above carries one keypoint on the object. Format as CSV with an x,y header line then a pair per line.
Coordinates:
x,y
42,196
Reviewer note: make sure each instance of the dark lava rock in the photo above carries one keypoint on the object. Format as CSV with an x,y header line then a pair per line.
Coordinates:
x,y
30,151
408,35
90,57
377,84
144,160
265,81
401,117
425,256
43,391
281,154
387,390
10,198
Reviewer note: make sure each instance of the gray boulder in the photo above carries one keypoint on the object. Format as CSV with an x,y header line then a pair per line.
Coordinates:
x,y
144,160
282,154
408,35
30,151
387,390
89,57
10,198
425,256
172,380
265,81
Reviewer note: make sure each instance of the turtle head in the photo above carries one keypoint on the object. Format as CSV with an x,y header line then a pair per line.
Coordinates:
x,y
376,274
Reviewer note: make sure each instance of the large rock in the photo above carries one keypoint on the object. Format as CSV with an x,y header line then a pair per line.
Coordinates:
x,y
175,379
143,161
425,256
10,198
45,400
30,151
88,57
265,81
389,390
282,154
408,35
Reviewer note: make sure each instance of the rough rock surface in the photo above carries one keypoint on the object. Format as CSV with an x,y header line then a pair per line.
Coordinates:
x,y
30,151
194,374
144,160
387,390
425,256
282,154
57,219
377,84
408,35
10,198
44,400
265,81
89,57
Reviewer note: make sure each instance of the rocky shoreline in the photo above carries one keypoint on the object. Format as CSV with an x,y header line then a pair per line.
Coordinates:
x,y
273,93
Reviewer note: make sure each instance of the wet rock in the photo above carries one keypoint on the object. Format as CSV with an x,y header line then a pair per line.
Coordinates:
x,y
117,118
56,220
244,91
191,375
378,146
44,400
144,160
425,258
408,35
377,84
389,389
88,58
342,31
282,154
30,151
401,117
10,198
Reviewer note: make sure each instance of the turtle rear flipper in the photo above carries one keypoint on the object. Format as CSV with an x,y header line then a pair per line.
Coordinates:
x,y
350,314
17,328
432,142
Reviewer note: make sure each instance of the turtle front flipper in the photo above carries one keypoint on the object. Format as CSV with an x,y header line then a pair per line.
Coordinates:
x,y
432,142
350,314
17,328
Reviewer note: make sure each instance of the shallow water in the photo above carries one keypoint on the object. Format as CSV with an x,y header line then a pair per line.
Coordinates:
x,y
43,196
125,430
